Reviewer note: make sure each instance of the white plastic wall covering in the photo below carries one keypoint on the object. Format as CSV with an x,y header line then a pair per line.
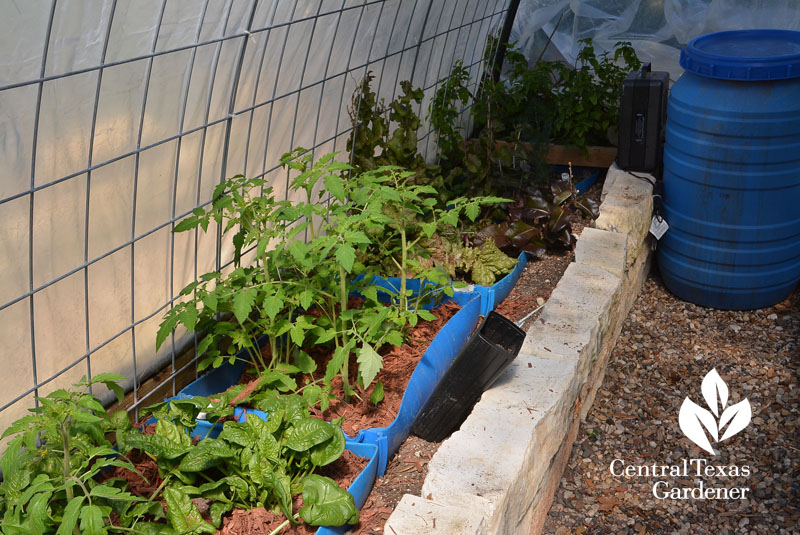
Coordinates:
x,y
119,117
657,29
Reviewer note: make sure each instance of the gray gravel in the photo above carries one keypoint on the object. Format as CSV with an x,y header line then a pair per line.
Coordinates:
x,y
666,348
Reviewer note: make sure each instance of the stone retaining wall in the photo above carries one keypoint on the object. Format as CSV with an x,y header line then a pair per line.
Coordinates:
x,y
498,473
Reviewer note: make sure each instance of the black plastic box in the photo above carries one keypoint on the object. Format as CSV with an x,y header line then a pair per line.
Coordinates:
x,y
490,350
642,121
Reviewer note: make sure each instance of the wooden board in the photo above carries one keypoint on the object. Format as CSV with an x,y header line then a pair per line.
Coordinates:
x,y
159,386
593,157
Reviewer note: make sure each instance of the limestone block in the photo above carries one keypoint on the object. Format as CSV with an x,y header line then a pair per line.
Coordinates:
x,y
627,208
602,249
483,458
418,516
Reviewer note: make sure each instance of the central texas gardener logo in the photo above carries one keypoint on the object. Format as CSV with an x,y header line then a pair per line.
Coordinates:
x,y
693,418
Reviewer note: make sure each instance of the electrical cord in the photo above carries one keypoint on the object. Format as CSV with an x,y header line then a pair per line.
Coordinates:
x,y
646,179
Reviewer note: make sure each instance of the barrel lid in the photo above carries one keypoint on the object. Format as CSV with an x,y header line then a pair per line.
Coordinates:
x,y
744,55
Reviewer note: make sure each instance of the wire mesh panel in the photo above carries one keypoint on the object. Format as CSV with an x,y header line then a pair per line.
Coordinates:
x,y
119,118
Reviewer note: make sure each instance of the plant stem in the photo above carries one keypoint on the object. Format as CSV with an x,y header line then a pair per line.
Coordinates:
x,y
63,430
403,262
159,488
343,305
282,526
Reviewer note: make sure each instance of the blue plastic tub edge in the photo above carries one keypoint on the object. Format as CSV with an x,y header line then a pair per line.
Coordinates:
x,y
444,348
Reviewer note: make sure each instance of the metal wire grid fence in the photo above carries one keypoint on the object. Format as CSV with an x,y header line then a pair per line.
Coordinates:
x,y
257,78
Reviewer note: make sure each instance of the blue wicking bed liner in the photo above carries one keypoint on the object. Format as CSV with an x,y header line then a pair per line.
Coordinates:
x,y
491,296
445,346
441,352
437,296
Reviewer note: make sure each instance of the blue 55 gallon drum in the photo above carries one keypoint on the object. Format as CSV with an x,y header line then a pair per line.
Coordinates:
x,y
732,171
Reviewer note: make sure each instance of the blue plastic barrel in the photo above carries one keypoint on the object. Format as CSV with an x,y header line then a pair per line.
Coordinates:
x,y
732,171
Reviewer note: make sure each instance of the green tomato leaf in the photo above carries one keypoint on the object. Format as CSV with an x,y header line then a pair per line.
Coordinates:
x,y
325,336
210,300
427,315
298,334
334,186
306,433
243,303
346,256
272,306
70,516
299,251
325,504
371,294
305,363
472,211
336,363
428,228
37,512
377,393
187,224
306,298
113,493
395,338
369,364
188,316
92,520
183,514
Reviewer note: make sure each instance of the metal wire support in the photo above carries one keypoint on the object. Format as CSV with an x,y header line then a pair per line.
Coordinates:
x,y
120,118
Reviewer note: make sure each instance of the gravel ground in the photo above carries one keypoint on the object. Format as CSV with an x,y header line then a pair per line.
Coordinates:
x,y
665,349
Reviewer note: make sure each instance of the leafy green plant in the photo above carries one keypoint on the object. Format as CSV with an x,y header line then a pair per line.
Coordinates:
x,y
52,468
482,264
258,462
373,143
586,97
412,219
445,109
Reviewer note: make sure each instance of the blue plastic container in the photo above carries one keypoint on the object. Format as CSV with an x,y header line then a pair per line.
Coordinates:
x,y
444,348
732,171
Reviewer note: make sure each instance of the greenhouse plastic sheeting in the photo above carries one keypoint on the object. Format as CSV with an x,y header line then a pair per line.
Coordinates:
x,y
658,29
118,118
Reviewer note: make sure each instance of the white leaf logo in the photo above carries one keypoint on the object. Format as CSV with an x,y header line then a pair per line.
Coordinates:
x,y
714,389
694,420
